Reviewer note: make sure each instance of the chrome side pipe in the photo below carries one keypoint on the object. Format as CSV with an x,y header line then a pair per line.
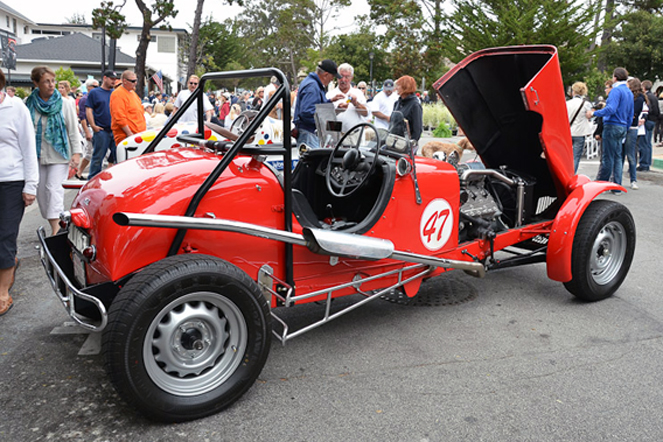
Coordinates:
x,y
325,242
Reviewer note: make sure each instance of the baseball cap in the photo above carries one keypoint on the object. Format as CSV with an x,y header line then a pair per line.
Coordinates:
x,y
328,65
110,74
388,85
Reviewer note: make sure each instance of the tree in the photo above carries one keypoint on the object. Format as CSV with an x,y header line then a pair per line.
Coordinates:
x,y
193,41
636,45
480,24
67,74
158,12
76,19
354,49
108,18
277,33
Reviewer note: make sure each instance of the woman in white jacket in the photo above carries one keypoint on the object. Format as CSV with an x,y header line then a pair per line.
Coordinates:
x,y
576,108
19,175
58,142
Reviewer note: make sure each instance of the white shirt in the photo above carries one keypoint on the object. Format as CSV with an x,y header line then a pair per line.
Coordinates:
x,y
581,125
191,113
383,104
350,117
18,148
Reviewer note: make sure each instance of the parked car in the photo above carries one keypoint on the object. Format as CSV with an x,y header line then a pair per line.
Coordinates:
x,y
186,258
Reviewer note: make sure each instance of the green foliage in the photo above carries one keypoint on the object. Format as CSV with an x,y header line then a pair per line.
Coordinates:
x,y
67,74
107,16
355,49
636,45
277,33
595,81
436,113
480,24
22,93
442,131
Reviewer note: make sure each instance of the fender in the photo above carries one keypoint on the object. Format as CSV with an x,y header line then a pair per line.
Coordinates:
x,y
562,234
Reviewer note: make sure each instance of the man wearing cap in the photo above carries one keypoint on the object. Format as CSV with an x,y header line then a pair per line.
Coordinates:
x,y
312,92
126,109
97,112
191,114
383,104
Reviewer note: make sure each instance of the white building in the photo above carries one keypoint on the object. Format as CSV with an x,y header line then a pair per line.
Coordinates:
x,y
162,53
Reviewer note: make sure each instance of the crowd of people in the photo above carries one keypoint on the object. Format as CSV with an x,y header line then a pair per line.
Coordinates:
x,y
627,124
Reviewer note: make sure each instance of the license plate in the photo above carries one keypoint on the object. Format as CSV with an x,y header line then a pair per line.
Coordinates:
x,y
79,268
78,238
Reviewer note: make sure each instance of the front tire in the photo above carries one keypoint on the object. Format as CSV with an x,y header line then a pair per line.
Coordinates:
x,y
603,250
186,337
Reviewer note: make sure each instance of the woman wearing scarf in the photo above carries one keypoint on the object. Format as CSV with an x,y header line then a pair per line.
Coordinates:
x,y
57,139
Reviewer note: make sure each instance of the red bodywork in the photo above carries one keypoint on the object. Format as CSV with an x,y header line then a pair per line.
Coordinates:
x,y
522,126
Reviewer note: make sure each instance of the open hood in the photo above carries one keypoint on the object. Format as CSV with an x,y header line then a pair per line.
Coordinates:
x,y
510,104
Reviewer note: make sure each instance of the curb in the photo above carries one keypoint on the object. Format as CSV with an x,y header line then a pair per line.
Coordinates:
x,y
657,163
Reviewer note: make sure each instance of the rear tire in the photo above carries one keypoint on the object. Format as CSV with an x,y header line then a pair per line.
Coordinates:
x,y
602,252
186,337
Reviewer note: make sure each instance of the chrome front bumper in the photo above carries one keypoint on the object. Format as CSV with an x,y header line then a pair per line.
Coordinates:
x,y
55,254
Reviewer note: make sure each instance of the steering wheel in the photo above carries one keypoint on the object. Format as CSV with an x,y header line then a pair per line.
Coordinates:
x,y
348,168
241,123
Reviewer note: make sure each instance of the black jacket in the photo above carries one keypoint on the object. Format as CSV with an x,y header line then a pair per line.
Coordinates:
x,y
412,112
654,110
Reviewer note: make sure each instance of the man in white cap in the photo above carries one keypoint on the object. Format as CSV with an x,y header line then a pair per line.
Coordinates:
x,y
312,92
191,114
383,104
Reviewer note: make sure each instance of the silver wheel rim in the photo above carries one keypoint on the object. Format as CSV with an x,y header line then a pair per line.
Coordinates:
x,y
195,344
608,253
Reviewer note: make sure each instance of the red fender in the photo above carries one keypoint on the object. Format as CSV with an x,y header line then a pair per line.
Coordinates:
x,y
560,243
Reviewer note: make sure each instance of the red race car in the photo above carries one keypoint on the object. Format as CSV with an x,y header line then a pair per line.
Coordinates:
x,y
187,257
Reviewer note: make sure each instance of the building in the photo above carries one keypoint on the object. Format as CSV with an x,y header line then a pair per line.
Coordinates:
x,y
163,53
76,51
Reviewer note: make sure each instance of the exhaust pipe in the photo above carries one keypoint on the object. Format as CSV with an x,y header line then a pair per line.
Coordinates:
x,y
325,242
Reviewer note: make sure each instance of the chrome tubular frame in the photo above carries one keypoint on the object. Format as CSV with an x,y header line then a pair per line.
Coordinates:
x,y
56,276
290,298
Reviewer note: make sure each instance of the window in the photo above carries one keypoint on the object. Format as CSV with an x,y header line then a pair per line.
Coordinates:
x,y
153,38
96,36
166,44
15,27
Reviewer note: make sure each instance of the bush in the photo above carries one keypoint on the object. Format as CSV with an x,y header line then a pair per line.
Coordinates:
x,y
442,131
437,113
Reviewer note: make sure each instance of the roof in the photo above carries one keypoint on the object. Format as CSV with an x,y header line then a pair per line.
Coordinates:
x,y
129,27
4,7
73,47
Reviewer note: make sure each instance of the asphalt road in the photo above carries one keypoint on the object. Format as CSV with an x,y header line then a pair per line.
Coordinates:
x,y
518,360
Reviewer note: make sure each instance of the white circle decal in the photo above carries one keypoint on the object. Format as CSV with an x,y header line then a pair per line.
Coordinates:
x,y
436,224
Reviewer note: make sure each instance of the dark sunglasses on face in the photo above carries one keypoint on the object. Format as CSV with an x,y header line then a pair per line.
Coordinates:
x,y
132,81
195,84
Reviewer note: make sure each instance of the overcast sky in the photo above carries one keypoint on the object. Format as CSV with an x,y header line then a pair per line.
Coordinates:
x,y
56,12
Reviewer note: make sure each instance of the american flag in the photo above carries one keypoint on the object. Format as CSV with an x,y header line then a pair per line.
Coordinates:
x,y
158,79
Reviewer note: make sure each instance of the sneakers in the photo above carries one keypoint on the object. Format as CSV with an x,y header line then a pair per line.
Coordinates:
x,y
634,185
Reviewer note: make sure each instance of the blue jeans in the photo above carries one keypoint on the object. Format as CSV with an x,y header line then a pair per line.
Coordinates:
x,y
628,151
102,141
308,138
644,145
578,147
611,157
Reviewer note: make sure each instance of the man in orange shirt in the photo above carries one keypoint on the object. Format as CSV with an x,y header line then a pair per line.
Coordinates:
x,y
126,109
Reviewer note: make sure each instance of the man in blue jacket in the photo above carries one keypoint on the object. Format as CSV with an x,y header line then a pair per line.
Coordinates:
x,y
312,92
617,116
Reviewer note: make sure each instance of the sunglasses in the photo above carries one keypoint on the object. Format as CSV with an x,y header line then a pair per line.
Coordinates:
x,y
195,84
132,81
361,88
